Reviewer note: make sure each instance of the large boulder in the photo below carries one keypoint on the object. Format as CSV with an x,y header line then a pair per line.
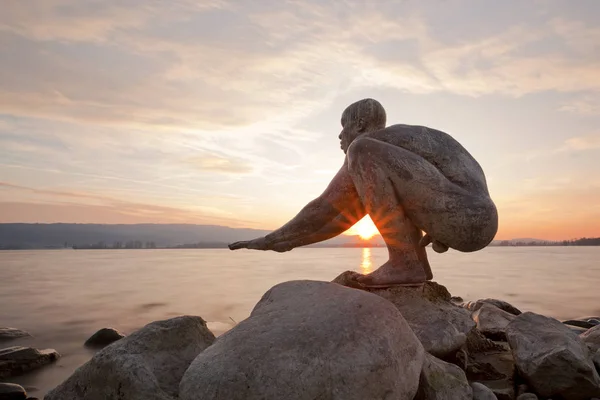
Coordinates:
x,y
11,391
311,340
17,360
492,321
591,337
440,325
501,304
11,333
147,365
442,381
554,361
103,338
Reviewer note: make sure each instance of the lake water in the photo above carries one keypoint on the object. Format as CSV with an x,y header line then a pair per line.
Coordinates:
x,y
62,297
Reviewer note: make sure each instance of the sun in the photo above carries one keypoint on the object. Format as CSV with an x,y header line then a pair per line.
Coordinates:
x,y
365,228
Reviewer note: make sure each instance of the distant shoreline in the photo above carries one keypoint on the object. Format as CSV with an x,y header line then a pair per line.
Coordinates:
x,y
224,246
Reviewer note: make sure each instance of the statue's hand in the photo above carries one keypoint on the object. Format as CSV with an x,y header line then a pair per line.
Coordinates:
x,y
254,244
282,247
438,247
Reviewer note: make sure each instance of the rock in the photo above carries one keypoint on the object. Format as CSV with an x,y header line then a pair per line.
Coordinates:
x,y
148,364
456,299
580,324
591,337
596,360
491,364
11,391
440,325
311,340
576,329
482,392
554,361
11,333
104,337
527,396
492,321
442,381
17,360
477,343
503,305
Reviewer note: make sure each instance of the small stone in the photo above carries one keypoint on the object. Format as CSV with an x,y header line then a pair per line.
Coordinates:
x,y
104,337
482,392
501,304
442,381
492,321
456,299
12,333
17,360
11,391
596,360
591,338
527,396
578,323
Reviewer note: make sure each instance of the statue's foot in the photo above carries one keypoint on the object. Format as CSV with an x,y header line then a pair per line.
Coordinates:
x,y
393,274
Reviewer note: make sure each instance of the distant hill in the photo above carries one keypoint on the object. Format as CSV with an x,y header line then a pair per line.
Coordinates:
x,y
161,235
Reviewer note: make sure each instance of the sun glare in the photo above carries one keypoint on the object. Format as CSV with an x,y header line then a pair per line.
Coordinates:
x,y
365,228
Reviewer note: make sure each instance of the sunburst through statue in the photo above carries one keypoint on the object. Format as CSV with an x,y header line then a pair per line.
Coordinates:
x,y
365,228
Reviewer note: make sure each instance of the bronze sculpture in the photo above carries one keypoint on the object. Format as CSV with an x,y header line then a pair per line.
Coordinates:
x,y
410,179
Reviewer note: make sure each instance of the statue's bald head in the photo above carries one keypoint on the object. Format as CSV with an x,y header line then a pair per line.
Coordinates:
x,y
363,116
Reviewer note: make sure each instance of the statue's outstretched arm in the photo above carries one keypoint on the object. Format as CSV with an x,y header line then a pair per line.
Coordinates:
x,y
337,226
337,198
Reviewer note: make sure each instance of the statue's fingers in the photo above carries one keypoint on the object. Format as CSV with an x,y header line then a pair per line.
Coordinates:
x,y
439,247
425,240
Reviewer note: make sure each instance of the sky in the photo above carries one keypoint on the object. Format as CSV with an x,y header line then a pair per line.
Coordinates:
x,y
227,112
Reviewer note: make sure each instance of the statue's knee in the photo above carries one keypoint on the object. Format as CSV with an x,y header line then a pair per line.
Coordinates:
x,y
357,150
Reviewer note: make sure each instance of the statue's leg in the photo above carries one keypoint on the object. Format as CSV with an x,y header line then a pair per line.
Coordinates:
x,y
405,194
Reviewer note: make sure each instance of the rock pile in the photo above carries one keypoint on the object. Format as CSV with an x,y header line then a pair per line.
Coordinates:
x,y
329,340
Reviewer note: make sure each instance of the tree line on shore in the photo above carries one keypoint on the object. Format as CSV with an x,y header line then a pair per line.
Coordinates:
x,y
139,244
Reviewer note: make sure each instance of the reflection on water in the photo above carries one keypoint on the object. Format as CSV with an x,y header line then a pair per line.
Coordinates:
x,y
366,265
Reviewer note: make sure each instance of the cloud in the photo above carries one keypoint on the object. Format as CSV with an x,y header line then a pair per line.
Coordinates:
x,y
261,60
586,106
211,163
52,205
582,143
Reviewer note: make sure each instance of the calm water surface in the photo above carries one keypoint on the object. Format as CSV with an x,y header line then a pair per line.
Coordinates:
x,y
63,297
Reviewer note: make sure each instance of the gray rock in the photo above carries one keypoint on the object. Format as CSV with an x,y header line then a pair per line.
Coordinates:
x,y
147,365
580,324
440,325
311,340
527,396
11,391
442,381
17,360
591,337
492,321
12,333
104,337
501,304
554,361
596,360
482,392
